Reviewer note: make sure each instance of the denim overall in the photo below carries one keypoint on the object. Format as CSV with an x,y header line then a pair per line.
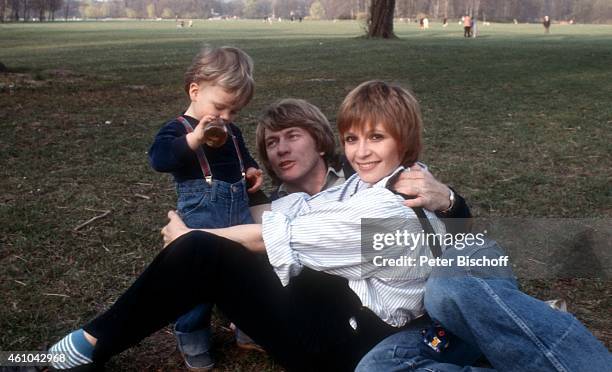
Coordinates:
x,y
207,203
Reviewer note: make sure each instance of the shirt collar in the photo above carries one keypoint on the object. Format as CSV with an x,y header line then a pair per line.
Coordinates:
x,y
383,182
333,177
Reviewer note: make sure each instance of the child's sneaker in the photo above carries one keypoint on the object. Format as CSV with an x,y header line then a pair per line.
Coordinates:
x,y
195,348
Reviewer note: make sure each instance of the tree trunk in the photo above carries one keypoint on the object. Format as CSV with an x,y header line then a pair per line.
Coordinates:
x,y
476,9
2,9
436,9
380,23
15,10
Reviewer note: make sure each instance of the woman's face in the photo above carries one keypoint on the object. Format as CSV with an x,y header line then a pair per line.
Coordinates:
x,y
372,152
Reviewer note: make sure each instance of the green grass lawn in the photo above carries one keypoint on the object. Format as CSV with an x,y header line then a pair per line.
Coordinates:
x,y
517,120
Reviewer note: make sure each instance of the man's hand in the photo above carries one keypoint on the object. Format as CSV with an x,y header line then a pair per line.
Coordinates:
x,y
175,228
429,193
254,177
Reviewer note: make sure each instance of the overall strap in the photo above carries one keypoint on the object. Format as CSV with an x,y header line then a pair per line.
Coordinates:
x,y
235,140
199,152
435,248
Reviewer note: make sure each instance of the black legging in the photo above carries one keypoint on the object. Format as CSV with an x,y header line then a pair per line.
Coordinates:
x,y
305,325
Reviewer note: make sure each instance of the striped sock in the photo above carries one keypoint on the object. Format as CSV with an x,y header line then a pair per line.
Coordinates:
x,y
76,349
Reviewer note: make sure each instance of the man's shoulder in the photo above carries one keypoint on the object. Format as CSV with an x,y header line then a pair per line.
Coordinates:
x,y
345,167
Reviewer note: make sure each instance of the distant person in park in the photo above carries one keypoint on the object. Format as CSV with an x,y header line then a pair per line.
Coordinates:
x,y
474,27
212,167
445,22
425,23
467,26
307,272
546,24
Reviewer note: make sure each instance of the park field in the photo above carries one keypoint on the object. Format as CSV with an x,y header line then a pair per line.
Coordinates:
x,y
517,120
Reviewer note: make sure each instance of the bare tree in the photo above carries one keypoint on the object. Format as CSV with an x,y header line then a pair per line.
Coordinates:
x,y
15,10
435,8
26,10
66,10
54,6
42,8
3,6
380,22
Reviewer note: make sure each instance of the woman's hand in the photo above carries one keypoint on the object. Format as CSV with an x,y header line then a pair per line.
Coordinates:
x,y
429,193
175,228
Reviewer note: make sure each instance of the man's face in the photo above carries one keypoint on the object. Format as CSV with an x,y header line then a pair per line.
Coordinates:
x,y
293,155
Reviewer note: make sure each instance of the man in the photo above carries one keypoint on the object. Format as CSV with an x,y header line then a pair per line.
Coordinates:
x,y
546,24
467,26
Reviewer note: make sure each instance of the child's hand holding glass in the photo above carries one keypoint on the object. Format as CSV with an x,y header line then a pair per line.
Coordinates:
x,y
211,130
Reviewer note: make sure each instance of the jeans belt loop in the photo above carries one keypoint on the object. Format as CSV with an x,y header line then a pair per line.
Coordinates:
x,y
213,191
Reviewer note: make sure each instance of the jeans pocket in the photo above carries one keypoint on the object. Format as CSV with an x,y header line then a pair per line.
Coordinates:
x,y
189,203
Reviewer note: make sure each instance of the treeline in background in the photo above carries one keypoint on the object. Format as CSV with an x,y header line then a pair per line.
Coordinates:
x,y
582,11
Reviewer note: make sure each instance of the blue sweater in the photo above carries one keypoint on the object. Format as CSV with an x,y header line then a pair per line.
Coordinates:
x,y
170,153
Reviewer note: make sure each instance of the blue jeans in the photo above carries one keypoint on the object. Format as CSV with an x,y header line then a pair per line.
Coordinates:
x,y
200,205
406,351
483,306
213,206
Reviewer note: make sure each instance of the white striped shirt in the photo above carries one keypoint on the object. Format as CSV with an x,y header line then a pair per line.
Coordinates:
x,y
323,232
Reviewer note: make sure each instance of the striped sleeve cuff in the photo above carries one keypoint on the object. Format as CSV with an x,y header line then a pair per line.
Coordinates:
x,y
276,232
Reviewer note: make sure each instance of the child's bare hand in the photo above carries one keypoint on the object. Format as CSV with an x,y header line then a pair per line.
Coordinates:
x,y
195,139
254,178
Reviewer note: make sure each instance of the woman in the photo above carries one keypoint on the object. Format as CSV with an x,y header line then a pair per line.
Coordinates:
x,y
312,321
